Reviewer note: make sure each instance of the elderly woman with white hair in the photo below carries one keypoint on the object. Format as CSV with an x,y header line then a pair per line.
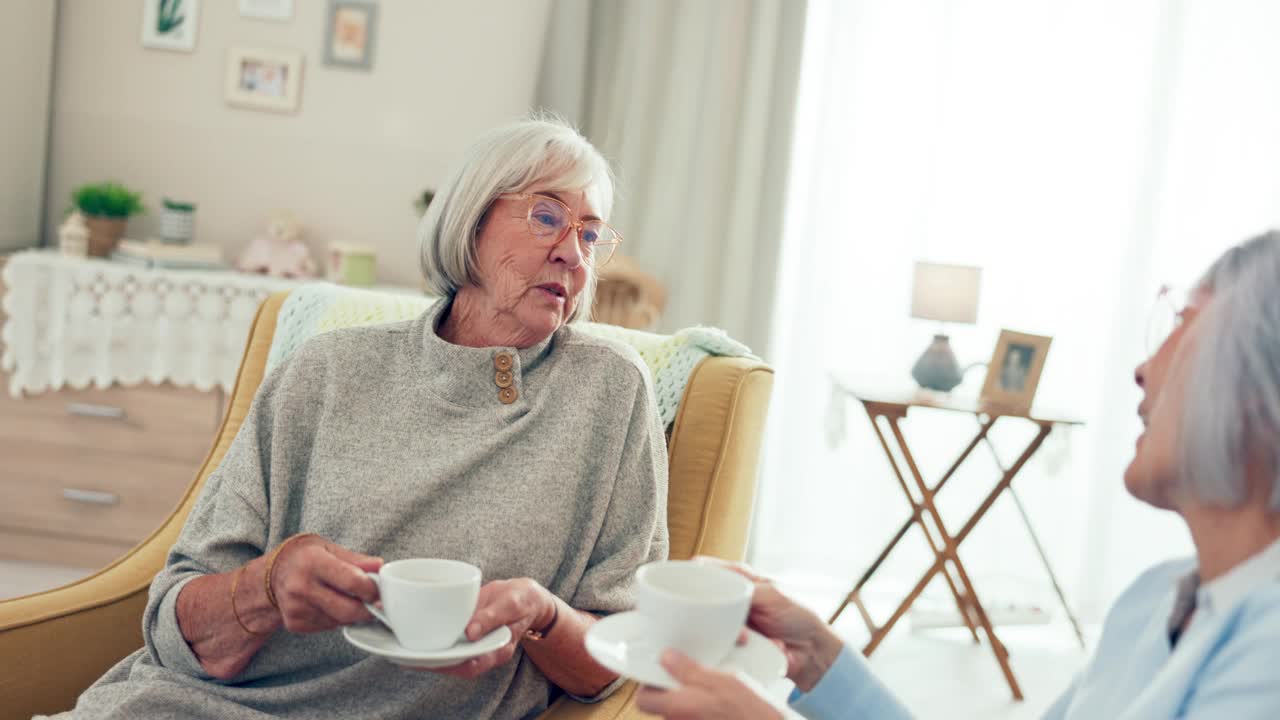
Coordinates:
x,y
1194,638
488,430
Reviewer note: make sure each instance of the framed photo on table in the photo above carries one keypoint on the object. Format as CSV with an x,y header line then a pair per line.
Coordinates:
x,y
1014,372
264,79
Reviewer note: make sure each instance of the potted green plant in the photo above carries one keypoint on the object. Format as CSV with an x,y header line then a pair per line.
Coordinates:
x,y
107,207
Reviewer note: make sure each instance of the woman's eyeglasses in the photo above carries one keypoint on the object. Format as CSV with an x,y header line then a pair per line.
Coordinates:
x,y
549,220
1166,315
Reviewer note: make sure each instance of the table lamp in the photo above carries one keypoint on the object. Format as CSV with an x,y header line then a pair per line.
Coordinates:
x,y
947,294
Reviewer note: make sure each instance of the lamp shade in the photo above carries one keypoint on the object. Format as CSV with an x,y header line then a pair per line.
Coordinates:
x,y
946,293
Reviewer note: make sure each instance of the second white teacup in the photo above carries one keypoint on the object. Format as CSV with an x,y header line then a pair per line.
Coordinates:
x,y
696,608
426,602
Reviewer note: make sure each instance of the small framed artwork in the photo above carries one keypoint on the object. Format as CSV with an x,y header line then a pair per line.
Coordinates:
x,y
264,79
1014,372
267,9
349,34
170,24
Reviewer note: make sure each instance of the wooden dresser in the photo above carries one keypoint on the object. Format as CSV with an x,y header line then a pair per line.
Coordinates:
x,y
87,474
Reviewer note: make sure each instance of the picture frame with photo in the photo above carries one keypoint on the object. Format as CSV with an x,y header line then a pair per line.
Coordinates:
x,y
279,10
350,31
264,79
1014,372
170,24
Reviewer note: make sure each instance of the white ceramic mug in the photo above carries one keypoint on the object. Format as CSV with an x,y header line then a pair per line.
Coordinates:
x,y
696,608
426,602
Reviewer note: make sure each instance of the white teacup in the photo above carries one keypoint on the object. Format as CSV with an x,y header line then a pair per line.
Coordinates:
x,y
426,602
696,608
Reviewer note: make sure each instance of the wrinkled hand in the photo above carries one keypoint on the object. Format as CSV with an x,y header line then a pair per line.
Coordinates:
x,y
321,586
703,694
809,644
519,604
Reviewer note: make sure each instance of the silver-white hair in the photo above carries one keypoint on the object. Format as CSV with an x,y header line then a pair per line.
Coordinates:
x,y
1232,415
542,151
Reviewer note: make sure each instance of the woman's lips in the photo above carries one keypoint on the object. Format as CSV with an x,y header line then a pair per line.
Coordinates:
x,y
554,291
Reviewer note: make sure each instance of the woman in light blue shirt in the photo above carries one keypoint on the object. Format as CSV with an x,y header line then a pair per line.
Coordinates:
x,y
1195,638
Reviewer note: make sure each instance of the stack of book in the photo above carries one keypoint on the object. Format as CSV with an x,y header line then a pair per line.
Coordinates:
x,y
156,254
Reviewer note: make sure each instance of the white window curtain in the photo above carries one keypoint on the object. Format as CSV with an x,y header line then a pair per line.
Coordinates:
x,y
1082,153
692,101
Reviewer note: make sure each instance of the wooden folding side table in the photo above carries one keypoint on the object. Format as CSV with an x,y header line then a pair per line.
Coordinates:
x,y
945,545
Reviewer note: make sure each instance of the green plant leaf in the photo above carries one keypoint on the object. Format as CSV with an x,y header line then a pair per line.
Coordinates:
x,y
170,17
107,199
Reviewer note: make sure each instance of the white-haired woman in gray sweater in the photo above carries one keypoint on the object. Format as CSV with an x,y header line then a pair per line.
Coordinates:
x,y
488,430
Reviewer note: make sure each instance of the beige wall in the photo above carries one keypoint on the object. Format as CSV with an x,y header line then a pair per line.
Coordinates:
x,y
348,163
25,66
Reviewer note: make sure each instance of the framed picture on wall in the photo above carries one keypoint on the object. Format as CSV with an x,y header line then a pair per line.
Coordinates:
x,y
170,24
267,9
264,79
349,34
1014,372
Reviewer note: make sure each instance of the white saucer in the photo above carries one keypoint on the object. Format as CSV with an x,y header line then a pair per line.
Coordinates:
x,y
623,644
377,639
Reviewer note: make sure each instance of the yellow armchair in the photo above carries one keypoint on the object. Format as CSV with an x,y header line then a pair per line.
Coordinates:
x,y
55,644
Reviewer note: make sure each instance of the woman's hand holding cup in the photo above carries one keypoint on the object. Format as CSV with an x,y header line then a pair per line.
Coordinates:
x,y
428,604
319,585
697,609
520,604
809,643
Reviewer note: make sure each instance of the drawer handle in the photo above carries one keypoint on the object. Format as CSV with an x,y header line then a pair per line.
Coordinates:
x,y
90,497
105,412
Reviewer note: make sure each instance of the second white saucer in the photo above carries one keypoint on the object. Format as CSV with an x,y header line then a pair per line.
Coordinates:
x,y
622,643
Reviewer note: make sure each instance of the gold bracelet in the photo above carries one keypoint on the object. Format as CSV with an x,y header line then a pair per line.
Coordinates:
x,y
235,583
271,564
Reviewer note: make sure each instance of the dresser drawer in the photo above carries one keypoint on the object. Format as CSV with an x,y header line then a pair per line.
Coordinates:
x,y
40,547
163,421
85,493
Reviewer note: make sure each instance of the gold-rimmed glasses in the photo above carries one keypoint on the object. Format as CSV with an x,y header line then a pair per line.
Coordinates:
x,y
549,220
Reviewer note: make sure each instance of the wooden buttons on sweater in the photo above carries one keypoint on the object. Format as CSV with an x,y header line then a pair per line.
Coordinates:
x,y
503,378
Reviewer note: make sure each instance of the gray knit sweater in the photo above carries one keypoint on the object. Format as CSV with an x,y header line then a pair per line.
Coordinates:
x,y
393,442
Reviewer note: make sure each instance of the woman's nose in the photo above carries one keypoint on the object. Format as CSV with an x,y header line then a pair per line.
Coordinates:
x,y
1140,376
568,250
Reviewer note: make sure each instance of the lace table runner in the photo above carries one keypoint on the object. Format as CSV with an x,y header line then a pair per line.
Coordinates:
x,y
75,322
